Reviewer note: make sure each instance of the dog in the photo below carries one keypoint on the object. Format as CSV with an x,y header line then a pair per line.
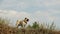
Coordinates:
x,y
22,23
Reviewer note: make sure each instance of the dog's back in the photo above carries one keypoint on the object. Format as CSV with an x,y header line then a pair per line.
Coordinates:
x,y
19,22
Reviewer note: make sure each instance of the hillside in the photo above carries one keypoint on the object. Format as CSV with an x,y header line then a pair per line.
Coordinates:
x,y
5,29
35,29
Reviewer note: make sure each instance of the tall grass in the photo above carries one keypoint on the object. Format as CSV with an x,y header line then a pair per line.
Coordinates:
x,y
34,29
5,28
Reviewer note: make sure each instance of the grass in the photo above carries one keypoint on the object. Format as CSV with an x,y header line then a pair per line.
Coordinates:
x,y
6,29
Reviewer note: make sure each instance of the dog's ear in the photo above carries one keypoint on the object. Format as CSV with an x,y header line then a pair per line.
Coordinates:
x,y
25,18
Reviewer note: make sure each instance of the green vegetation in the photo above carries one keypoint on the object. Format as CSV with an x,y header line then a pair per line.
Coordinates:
x,y
34,26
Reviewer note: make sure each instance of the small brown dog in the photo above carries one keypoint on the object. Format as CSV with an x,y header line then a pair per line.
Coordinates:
x,y
22,23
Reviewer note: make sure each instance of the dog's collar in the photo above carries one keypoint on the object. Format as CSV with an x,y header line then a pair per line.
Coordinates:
x,y
25,21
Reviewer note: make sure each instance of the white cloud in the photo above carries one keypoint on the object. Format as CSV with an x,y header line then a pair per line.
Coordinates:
x,y
53,11
13,13
48,15
42,13
7,13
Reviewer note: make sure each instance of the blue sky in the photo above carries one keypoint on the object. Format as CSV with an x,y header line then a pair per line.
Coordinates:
x,y
35,10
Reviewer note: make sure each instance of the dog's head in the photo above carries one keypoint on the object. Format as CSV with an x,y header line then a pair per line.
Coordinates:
x,y
26,20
